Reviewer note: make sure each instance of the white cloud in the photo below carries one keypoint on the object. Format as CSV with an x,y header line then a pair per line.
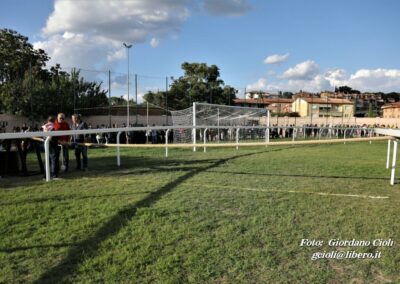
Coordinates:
x,y
276,58
90,33
117,54
316,84
385,80
74,50
260,85
114,20
154,42
336,77
302,71
226,7
364,80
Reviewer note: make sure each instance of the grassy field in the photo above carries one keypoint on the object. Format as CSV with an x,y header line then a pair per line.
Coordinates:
x,y
224,216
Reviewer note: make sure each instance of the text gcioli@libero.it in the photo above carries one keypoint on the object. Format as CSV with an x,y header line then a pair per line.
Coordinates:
x,y
346,254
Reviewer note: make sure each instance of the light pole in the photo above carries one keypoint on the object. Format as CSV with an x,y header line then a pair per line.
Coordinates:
x,y
127,46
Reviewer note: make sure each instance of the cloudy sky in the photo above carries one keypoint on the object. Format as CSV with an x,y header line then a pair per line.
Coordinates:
x,y
271,45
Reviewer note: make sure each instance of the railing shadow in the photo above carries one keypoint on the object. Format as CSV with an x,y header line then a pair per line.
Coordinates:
x,y
298,175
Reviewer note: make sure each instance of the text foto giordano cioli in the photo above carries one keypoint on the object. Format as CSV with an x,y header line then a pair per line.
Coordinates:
x,y
347,243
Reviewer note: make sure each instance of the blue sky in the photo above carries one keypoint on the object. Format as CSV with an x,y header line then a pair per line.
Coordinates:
x,y
312,45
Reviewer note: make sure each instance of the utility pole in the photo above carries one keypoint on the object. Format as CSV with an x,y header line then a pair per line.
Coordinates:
x,y
136,88
30,91
74,88
166,100
109,98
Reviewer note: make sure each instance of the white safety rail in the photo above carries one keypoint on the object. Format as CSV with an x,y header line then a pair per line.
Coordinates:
x,y
395,134
266,131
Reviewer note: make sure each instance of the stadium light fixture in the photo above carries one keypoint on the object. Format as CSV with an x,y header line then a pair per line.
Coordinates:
x,y
127,46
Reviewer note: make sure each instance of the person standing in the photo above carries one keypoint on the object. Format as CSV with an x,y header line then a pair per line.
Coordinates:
x,y
53,147
78,140
154,134
61,125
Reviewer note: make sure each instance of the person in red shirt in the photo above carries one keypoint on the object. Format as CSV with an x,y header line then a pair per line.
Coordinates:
x,y
61,125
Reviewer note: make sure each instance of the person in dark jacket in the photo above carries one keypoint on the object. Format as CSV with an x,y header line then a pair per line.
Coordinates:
x,y
78,140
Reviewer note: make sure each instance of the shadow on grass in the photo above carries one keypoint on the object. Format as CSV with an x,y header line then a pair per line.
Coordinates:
x,y
106,166
16,249
298,175
68,198
88,247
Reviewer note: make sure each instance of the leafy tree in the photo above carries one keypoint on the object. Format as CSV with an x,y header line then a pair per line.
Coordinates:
x,y
118,101
19,62
28,88
346,90
286,95
370,110
392,95
200,83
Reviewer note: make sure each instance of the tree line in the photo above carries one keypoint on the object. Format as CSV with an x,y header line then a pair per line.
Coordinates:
x,y
30,89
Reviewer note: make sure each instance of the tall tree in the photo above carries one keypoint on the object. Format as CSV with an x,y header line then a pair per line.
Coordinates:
x,y
28,88
200,83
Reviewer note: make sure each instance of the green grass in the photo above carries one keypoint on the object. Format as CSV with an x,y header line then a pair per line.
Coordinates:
x,y
224,216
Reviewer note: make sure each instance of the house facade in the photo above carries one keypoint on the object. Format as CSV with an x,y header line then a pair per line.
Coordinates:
x,y
275,105
323,107
391,110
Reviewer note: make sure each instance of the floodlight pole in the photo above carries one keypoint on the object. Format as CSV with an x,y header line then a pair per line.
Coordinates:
x,y
109,98
127,46
136,93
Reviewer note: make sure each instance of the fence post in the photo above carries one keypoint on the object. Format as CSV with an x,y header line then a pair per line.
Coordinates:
x,y
293,133
118,150
205,139
370,136
194,129
237,138
394,162
388,154
166,142
47,156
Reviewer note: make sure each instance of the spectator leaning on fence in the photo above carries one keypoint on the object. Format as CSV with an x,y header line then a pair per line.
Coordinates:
x,y
53,147
61,125
78,140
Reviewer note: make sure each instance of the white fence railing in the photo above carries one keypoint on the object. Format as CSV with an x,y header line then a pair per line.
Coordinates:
x,y
325,132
